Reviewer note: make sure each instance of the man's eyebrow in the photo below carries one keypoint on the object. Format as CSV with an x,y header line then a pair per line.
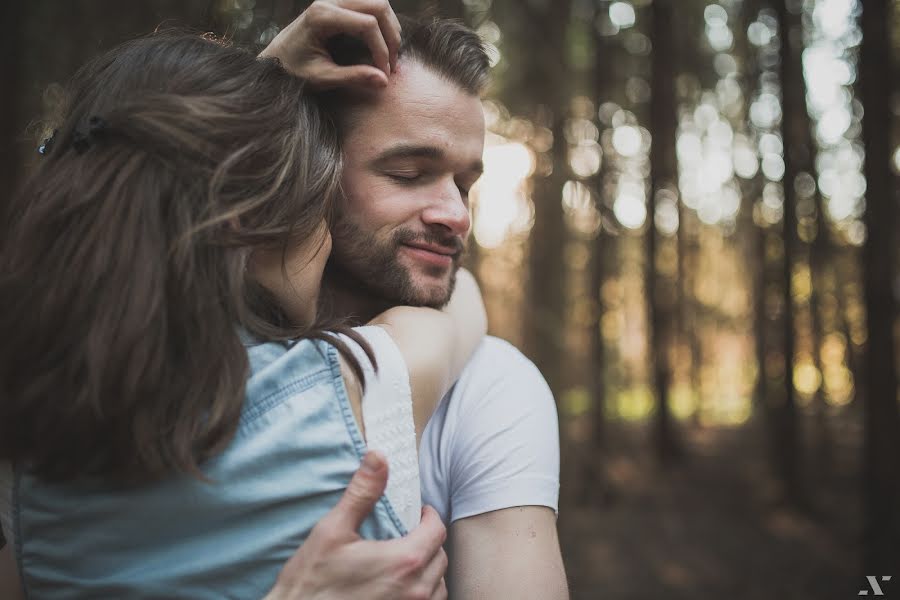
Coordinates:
x,y
409,151
413,151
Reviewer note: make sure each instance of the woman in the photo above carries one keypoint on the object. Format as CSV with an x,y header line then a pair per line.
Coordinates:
x,y
177,417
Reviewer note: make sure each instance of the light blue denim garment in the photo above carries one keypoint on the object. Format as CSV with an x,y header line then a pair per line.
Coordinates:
x,y
294,453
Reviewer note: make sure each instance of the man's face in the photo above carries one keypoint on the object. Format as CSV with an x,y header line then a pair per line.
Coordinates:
x,y
411,153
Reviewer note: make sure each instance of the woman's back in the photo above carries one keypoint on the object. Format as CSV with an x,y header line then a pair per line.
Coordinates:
x,y
296,447
186,198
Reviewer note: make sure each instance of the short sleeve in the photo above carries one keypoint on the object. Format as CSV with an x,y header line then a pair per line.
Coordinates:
x,y
505,439
388,418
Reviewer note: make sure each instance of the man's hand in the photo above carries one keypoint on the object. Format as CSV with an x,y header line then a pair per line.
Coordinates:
x,y
301,45
335,563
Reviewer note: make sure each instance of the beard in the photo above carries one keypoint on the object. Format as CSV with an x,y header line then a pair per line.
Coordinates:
x,y
361,261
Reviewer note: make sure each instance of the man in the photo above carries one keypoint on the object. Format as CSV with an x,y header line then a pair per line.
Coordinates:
x,y
489,457
413,135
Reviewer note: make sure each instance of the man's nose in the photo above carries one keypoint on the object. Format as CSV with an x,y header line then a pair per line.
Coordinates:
x,y
449,210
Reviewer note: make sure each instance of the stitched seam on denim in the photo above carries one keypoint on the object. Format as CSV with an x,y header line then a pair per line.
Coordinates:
x,y
17,474
353,429
267,403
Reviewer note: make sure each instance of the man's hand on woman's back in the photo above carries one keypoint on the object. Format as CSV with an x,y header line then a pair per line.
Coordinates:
x,y
335,563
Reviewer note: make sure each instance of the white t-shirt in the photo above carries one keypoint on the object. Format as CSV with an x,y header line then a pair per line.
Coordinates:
x,y
493,441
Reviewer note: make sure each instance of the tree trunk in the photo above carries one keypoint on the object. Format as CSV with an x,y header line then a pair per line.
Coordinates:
x,y
547,84
819,251
663,175
881,471
799,142
793,108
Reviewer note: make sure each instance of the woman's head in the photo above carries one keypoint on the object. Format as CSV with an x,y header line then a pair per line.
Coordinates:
x,y
186,182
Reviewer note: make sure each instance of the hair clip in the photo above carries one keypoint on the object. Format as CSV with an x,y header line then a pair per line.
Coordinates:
x,y
47,144
82,141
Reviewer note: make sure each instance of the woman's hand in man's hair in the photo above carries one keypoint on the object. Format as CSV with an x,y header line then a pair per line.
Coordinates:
x,y
336,564
302,46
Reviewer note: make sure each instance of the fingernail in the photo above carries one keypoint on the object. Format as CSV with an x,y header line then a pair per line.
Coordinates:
x,y
370,463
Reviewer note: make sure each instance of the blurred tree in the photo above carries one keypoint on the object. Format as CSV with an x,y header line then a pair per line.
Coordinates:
x,y
592,481
602,252
539,87
749,224
881,422
800,150
663,179
793,109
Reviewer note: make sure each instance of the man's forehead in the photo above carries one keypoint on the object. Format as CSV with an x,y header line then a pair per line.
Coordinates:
x,y
419,107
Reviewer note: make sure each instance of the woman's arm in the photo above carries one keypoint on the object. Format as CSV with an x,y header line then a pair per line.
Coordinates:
x,y
436,344
301,46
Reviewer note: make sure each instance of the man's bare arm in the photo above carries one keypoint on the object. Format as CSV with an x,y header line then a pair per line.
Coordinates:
x,y
509,553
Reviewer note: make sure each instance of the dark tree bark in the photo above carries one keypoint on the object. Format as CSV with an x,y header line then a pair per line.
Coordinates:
x,y
546,273
760,321
800,145
787,423
881,426
545,76
755,240
603,248
663,174
853,357
600,259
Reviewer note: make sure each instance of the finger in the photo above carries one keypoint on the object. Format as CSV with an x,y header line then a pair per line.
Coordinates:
x,y
440,590
429,535
387,22
357,76
330,19
433,574
364,490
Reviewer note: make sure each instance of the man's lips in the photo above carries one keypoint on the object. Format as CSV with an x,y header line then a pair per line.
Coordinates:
x,y
431,254
432,248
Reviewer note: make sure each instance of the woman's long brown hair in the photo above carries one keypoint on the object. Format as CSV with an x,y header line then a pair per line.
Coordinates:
x,y
123,273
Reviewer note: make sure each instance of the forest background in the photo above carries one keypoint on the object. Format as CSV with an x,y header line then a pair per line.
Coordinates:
x,y
689,221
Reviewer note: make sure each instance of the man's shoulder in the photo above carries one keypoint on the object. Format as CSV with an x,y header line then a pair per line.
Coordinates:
x,y
498,365
496,355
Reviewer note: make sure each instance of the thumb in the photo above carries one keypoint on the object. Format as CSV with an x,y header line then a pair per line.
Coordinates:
x,y
364,490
